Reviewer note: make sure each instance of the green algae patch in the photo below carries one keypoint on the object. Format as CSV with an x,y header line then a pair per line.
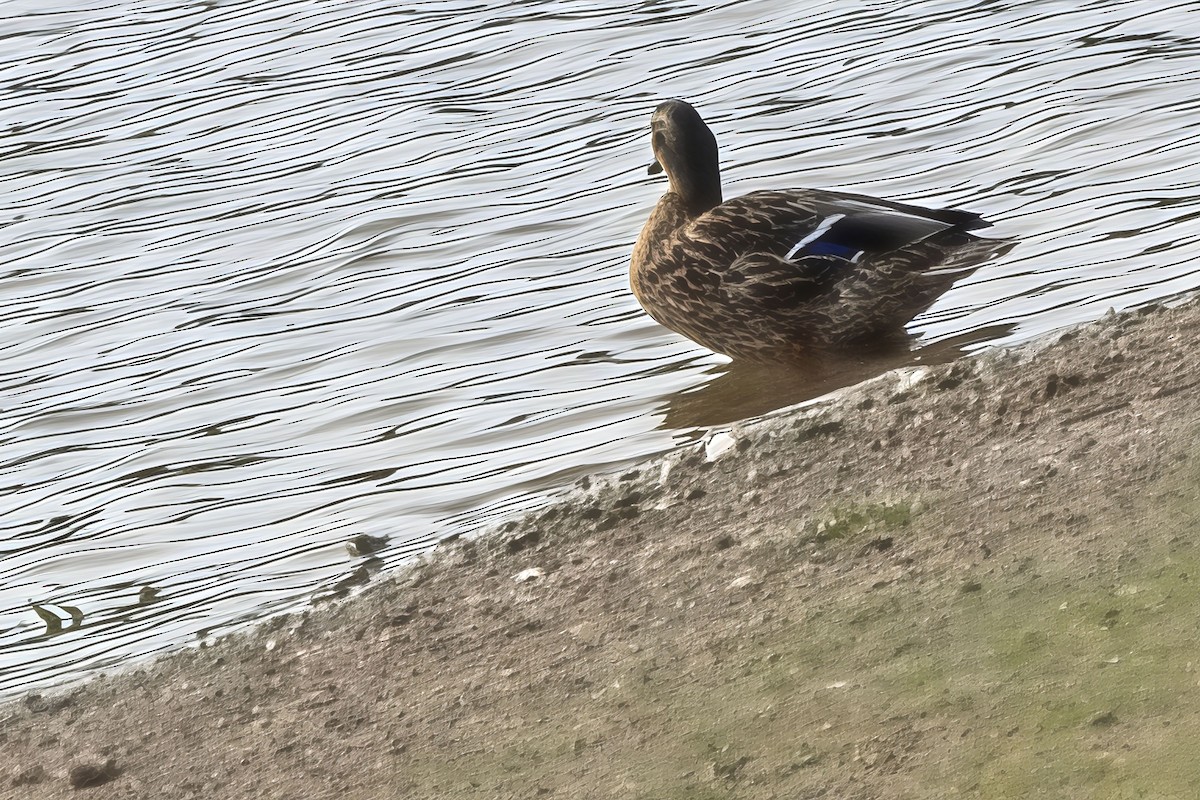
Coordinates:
x,y
1076,674
855,519
1073,687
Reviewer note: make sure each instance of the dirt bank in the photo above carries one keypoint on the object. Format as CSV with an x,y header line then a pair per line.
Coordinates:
x,y
977,580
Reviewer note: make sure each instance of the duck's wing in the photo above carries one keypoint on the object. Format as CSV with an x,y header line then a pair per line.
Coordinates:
x,y
847,264
803,222
835,201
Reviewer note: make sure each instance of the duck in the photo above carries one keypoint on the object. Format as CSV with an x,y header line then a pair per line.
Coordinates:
x,y
788,275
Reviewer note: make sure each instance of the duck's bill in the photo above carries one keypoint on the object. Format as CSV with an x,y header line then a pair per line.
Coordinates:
x,y
654,169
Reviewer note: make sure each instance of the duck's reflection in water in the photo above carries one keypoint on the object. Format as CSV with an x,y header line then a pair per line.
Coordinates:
x,y
743,390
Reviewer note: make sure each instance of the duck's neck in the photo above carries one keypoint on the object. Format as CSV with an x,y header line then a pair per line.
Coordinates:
x,y
699,188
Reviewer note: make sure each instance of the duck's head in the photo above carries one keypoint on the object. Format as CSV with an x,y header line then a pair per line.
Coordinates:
x,y
686,150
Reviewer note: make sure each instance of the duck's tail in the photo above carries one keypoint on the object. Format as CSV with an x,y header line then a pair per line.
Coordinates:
x,y
901,284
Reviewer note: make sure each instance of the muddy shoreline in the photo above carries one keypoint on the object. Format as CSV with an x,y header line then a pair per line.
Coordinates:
x,y
935,585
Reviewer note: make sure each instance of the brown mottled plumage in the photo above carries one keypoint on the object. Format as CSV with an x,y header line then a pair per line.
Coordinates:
x,y
787,275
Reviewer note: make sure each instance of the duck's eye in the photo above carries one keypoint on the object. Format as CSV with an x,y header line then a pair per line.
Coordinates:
x,y
658,141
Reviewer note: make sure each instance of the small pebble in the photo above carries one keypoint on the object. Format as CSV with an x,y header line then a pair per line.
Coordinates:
x,y
365,544
89,774
718,445
531,574
28,776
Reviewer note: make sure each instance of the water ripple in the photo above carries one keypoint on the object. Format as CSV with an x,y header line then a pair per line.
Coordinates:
x,y
279,274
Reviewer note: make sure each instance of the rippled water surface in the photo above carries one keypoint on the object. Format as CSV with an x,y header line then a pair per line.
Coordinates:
x,y
277,274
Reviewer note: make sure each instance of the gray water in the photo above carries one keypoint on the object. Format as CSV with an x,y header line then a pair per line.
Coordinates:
x,y
276,274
